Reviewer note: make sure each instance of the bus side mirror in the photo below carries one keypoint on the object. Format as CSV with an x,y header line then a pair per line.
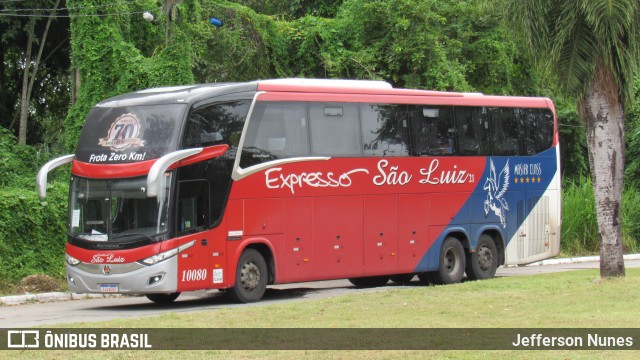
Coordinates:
x,y
41,178
161,165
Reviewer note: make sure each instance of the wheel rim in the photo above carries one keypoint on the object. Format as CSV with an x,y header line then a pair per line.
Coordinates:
x,y
250,276
451,261
485,258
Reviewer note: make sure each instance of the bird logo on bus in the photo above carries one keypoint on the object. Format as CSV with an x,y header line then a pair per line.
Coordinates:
x,y
496,187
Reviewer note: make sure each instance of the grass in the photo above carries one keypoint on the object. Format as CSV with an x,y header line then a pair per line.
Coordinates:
x,y
580,224
575,299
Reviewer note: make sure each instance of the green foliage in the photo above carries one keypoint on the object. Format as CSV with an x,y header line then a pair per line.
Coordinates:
x,y
32,233
632,134
19,163
234,52
109,63
580,224
573,146
441,45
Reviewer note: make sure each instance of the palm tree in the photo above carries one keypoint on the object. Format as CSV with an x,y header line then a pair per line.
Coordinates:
x,y
593,48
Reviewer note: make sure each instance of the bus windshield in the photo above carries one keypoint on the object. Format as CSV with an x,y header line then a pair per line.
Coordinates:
x,y
117,209
119,135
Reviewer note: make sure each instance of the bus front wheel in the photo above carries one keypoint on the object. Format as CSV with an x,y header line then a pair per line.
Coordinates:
x,y
251,277
482,264
452,263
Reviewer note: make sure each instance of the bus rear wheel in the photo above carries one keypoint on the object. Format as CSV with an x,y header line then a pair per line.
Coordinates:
x,y
163,298
452,263
369,281
251,277
482,264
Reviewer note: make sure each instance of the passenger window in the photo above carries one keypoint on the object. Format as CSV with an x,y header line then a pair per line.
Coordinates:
x,y
385,130
276,131
471,131
432,130
506,132
538,130
335,129
215,124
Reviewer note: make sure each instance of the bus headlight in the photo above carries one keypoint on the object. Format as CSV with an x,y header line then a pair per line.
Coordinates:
x,y
154,259
72,261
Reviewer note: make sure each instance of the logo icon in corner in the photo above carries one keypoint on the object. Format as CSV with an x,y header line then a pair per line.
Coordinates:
x,y
496,187
106,270
123,133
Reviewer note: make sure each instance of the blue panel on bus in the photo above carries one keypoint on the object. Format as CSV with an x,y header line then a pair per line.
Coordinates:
x,y
498,201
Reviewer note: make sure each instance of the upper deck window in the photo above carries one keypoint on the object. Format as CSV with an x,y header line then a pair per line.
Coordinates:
x,y
113,135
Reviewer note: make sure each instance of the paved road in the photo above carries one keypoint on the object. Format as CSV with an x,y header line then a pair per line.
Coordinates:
x,y
99,309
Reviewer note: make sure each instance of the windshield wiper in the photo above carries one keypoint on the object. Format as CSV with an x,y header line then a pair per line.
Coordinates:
x,y
135,234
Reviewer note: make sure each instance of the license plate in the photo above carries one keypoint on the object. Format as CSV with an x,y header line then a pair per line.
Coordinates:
x,y
109,288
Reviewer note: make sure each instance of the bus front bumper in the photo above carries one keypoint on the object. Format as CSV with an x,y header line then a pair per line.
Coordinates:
x,y
130,278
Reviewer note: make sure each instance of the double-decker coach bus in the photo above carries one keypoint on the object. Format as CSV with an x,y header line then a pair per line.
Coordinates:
x,y
237,186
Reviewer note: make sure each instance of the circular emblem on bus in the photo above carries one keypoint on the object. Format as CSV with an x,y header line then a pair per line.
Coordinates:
x,y
106,270
123,133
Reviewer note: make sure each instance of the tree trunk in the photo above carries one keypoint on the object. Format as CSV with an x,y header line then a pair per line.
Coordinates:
x,y
604,115
27,84
24,96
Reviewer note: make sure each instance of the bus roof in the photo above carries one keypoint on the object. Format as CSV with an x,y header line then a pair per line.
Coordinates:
x,y
187,94
318,90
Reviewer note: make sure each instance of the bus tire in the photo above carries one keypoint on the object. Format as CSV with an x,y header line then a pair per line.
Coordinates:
x,y
369,281
482,263
163,298
452,263
251,277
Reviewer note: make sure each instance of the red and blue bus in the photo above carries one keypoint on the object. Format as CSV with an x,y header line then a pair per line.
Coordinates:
x,y
237,186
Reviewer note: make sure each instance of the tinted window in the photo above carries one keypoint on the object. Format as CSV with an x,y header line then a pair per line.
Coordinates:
x,y
538,130
432,130
130,134
276,130
385,130
471,131
335,129
506,132
215,124
193,206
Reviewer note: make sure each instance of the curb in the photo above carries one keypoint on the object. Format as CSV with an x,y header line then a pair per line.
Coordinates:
x,y
577,260
49,297
65,296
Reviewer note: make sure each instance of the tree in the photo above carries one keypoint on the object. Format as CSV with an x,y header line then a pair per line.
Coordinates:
x,y
28,79
593,47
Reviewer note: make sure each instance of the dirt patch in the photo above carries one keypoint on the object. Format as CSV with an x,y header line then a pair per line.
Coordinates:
x,y
38,283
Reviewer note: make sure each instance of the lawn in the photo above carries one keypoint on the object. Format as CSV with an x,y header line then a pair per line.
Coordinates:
x,y
576,299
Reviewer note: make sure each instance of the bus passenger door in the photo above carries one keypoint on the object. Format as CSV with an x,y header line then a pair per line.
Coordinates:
x,y
194,272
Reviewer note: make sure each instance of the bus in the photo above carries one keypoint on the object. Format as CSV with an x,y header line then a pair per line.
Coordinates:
x,y
236,186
